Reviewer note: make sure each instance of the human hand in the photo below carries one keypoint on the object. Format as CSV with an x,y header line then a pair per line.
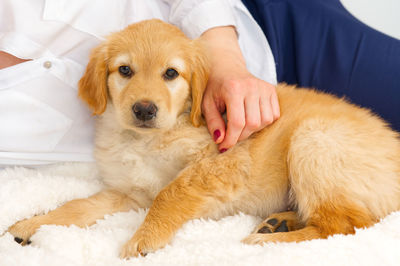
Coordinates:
x,y
250,103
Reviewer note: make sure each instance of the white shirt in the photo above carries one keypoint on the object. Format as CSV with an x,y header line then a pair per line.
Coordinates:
x,y
41,118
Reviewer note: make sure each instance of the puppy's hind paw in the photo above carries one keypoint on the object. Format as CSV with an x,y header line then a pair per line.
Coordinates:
x,y
279,222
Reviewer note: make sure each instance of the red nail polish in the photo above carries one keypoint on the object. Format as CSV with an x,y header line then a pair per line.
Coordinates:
x,y
223,150
217,134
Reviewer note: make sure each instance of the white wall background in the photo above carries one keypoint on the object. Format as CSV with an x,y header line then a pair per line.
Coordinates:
x,y
382,15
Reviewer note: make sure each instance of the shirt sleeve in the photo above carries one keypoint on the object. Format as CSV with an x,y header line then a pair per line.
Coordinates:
x,y
194,17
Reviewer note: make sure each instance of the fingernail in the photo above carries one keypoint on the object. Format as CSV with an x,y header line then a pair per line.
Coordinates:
x,y
217,134
223,150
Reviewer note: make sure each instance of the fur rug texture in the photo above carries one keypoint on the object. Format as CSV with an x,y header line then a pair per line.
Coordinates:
x,y
27,192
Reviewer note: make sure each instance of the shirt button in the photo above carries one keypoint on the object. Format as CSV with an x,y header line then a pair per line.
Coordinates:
x,y
47,64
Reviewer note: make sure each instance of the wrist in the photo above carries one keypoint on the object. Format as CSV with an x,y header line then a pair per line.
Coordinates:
x,y
223,47
221,38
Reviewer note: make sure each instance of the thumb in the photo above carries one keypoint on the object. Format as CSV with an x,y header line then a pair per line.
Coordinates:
x,y
215,122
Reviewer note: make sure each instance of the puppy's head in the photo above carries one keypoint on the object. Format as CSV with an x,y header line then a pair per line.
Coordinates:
x,y
150,72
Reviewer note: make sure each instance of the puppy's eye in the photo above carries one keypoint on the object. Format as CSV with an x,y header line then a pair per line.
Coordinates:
x,y
170,74
125,71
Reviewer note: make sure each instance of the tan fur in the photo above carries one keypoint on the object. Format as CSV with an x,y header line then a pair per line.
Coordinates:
x,y
337,165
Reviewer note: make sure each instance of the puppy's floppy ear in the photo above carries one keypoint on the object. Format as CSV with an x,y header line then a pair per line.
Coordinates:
x,y
200,71
93,84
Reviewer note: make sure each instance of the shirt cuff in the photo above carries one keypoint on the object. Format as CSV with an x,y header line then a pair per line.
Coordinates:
x,y
205,15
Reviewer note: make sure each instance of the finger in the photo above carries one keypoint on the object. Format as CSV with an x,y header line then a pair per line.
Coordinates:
x,y
236,123
253,117
275,106
214,120
266,112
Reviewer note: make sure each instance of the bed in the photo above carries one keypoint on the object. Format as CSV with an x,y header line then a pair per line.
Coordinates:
x,y
25,192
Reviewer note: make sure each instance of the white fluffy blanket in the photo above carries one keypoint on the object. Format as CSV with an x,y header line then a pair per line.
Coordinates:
x,y
26,192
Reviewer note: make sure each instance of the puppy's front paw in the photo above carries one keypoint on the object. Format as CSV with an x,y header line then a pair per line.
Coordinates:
x,y
23,230
142,243
132,248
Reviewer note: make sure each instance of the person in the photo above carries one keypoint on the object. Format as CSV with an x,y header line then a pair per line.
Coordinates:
x,y
42,119
320,44
44,122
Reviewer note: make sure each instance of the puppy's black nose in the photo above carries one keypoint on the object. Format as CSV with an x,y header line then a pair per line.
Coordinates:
x,y
144,110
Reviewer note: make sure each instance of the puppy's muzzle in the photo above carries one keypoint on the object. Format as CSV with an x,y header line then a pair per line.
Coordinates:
x,y
144,110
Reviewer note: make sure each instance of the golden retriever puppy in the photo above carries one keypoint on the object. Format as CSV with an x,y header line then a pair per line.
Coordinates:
x,y
336,165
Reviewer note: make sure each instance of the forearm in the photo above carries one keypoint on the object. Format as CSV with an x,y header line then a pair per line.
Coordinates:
x,y
223,47
7,60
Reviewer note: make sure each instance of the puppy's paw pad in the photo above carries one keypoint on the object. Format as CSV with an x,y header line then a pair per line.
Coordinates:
x,y
273,227
279,222
282,227
272,221
264,230
22,241
18,240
